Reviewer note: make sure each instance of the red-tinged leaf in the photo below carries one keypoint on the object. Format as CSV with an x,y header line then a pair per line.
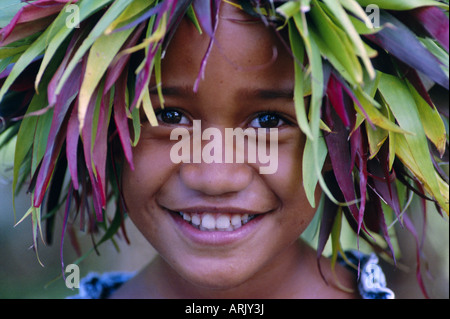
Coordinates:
x,y
86,135
71,49
143,78
121,119
382,181
208,16
57,135
21,31
117,68
424,210
329,213
411,228
178,13
54,194
375,221
341,161
25,14
118,190
336,95
414,78
206,12
359,156
435,22
399,41
156,10
74,240
100,149
72,138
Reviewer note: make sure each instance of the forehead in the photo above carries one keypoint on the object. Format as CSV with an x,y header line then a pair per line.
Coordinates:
x,y
244,50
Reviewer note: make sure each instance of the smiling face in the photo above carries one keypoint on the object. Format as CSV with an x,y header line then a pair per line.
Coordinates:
x,y
195,214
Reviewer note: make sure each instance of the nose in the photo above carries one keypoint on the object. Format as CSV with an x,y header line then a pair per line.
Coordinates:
x,y
216,179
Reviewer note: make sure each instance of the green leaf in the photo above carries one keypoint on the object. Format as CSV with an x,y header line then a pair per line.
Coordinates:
x,y
110,15
317,89
431,120
402,104
354,7
402,4
346,24
135,8
136,125
98,62
310,177
299,92
87,8
373,115
337,41
25,138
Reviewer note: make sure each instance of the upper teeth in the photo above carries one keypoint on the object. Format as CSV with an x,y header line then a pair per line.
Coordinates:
x,y
221,222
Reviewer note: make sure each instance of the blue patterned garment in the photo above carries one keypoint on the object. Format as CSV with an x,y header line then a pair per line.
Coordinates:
x,y
372,281
101,286
371,284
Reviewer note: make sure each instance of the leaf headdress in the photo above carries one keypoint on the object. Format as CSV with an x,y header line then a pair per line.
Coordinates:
x,y
75,74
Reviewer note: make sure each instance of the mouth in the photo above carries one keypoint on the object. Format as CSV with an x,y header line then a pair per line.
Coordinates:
x,y
216,221
214,226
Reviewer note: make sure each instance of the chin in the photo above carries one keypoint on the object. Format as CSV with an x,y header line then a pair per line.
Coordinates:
x,y
222,277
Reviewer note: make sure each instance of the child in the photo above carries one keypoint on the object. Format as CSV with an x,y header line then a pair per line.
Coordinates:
x,y
221,228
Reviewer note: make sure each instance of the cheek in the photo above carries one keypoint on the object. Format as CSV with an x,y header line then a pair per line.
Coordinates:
x,y
141,185
287,183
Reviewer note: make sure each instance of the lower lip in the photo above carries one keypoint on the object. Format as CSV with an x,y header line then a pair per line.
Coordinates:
x,y
216,238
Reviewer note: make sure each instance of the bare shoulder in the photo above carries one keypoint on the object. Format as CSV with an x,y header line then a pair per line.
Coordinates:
x,y
328,282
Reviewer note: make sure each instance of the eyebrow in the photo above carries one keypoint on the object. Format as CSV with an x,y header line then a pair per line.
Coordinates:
x,y
249,93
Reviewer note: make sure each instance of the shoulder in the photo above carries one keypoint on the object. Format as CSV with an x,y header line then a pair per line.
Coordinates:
x,y
101,286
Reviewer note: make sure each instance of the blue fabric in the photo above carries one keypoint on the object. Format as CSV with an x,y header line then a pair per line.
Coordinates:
x,y
101,286
371,283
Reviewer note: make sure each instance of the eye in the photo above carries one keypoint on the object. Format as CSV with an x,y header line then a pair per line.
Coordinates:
x,y
267,120
172,116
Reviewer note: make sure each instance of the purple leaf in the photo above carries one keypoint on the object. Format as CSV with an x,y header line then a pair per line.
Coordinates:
x,y
100,149
329,212
71,48
56,135
86,134
121,120
341,161
359,156
399,41
117,67
415,80
410,227
382,181
30,19
335,94
375,221
72,137
208,15
435,22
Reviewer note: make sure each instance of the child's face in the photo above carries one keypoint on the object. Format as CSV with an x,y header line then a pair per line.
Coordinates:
x,y
249,73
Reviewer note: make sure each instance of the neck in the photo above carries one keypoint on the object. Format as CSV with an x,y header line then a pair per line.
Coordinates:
x,y
293,274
